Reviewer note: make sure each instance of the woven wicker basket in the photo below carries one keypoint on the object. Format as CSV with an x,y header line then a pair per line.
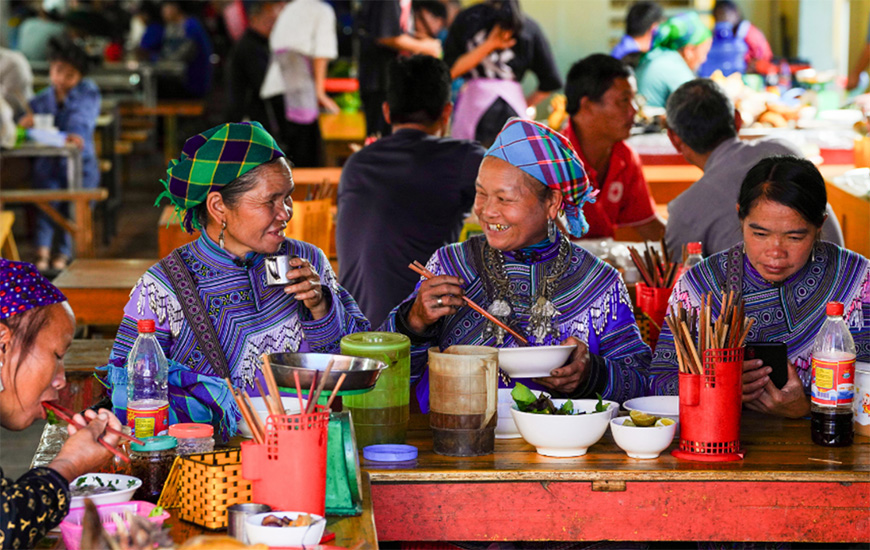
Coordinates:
x,y
203,485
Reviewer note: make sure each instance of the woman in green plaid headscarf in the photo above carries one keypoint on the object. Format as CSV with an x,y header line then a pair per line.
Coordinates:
x,y
680,47
232,184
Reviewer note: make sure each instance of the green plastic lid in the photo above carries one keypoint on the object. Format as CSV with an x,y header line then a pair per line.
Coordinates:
x,y
156,443
378,341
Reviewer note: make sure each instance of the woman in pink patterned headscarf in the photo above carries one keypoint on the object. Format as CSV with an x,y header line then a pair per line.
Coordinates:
x,y
36,330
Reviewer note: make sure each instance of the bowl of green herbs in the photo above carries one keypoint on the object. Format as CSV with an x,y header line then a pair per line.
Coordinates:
x,y
102,489
560,427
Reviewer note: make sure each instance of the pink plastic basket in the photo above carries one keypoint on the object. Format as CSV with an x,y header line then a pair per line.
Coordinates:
x,y
71,526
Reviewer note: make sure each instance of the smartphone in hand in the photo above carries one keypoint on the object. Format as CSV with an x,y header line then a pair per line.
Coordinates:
x,y
773,355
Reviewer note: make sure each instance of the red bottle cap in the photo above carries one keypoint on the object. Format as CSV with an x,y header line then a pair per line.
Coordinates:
x,y
834,309
191,430
145,325
694,248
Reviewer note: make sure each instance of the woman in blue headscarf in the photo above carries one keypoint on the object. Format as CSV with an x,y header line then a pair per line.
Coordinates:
x,y
680,47
525,272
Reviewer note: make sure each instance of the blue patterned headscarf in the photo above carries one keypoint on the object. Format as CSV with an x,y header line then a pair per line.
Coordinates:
x,y
547,156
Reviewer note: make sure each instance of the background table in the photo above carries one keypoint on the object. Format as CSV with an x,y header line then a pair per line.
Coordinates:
x,y
775,494
98,290
72,153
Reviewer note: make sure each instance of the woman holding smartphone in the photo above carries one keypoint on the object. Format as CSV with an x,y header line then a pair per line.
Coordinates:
x,y
786,275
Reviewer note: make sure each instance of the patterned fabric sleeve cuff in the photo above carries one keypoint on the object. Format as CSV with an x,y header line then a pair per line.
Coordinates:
x,y
417,339
55,476
325,331
597,381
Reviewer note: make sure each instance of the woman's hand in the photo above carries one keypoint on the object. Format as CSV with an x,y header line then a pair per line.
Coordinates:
x,y
755,378
82,452
437,297
567,378
308,290
790,401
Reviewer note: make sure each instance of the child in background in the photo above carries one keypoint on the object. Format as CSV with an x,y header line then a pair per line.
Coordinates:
x,y
74,101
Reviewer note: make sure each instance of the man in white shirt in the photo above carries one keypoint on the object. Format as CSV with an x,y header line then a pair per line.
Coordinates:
x,y
302,43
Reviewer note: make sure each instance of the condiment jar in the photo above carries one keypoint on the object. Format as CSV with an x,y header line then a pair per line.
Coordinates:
x,y
193,438
152,462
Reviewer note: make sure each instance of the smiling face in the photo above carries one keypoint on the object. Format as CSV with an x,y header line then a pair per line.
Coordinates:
x,y
256,222
34,375
613,115
778,239
508,208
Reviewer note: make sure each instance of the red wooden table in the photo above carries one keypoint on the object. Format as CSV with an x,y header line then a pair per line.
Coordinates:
x,y
777,493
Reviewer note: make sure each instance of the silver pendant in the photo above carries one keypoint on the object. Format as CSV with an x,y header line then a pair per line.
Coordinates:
x,y
542,319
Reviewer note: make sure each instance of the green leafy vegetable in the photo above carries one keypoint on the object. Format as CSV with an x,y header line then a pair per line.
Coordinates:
x,y
130,483
600,406
156,511
81,481
527,402
51,417
99,481
523,396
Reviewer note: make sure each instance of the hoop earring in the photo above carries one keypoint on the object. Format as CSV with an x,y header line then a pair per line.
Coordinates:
x,y
551,230
1,379
221,236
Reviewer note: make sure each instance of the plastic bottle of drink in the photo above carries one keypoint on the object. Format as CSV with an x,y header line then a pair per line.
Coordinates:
x,y
833,381
693,257
147,391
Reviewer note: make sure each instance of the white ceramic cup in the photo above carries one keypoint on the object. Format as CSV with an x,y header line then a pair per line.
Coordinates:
x,y
43,121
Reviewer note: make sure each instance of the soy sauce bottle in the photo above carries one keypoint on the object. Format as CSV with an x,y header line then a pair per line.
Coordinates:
x,y
833,379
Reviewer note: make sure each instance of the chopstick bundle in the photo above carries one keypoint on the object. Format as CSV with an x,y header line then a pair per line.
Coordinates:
x,y
728,331
423,272
248,412
67,416
656,270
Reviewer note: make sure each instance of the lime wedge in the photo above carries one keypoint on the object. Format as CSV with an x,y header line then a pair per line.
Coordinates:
x,y
642,419
664,421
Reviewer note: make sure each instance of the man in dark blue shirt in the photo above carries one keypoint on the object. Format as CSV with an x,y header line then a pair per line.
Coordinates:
x,y
407,194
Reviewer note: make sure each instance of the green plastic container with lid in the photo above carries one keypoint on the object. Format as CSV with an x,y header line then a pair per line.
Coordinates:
x,y
381,415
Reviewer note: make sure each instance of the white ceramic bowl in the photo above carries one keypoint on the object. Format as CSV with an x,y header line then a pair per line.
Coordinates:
x,y
291,406
667,406
124,486
284,536
506,427
534,361
640,442
564,435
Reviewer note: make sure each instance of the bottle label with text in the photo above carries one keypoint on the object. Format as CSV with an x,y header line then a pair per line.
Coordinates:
x,y
149,422
833,382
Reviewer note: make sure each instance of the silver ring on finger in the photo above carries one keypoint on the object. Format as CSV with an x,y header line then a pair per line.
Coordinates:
x,y
439,301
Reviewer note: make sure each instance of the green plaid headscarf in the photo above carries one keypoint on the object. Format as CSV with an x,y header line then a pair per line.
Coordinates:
x,y
211,160
681,30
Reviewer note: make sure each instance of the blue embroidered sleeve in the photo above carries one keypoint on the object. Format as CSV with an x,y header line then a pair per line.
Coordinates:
x,y
344,317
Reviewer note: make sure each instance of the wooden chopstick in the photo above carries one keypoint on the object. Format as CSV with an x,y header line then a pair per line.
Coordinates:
x,y
422,271
261,426
269,377
243,408
70,420
270,407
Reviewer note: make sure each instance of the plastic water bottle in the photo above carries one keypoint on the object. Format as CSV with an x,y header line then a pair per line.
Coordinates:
x,y
693,257
147,390
833,379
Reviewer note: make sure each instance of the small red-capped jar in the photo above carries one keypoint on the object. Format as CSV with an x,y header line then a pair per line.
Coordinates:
x,y
193,438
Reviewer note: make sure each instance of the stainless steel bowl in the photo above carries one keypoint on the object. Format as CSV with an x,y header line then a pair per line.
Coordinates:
x,y
362,372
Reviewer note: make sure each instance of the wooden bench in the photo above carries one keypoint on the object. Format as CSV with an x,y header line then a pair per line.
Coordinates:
x,y
8,249
170,110
81,222
98,290
339,132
